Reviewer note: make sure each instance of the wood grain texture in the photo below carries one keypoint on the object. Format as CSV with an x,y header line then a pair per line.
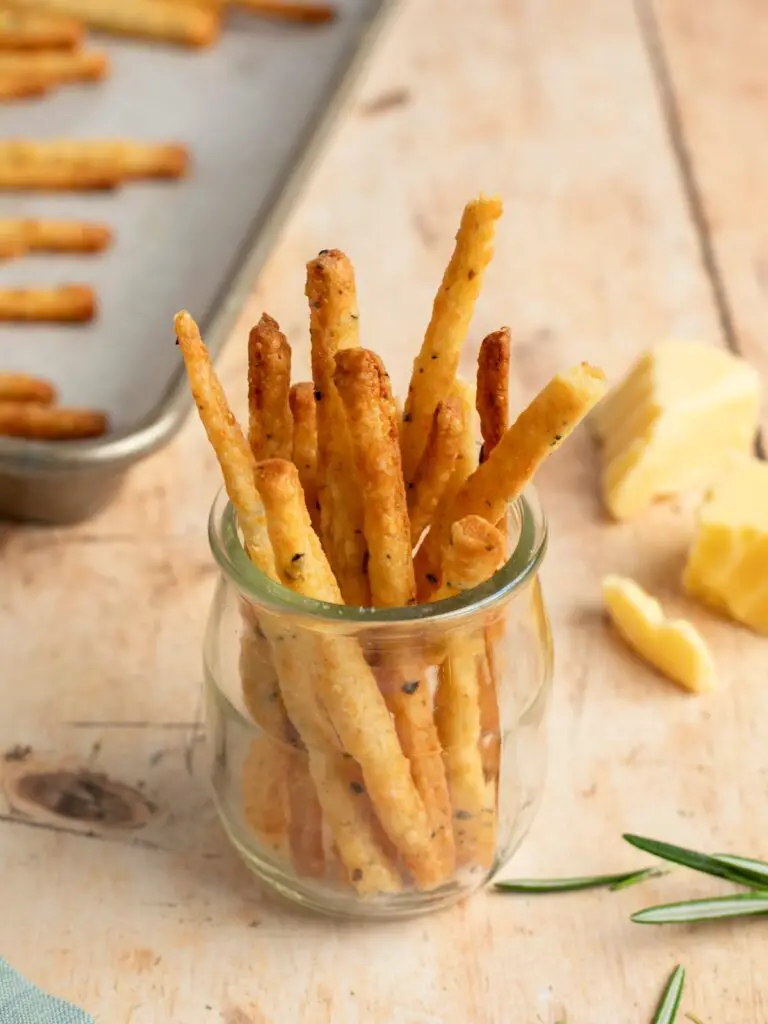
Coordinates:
x,y
715,54
553,105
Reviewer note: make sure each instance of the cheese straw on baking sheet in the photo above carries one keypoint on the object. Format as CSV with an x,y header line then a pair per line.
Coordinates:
x,y
56,67
30,30
20,387
34,421
24,85
62,236
289,10
115,159
68,303
36,177
185,23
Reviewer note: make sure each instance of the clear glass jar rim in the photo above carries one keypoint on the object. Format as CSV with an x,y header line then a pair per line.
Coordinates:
x,y
254,585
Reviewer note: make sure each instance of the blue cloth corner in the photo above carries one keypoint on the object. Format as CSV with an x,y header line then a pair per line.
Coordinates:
x,y
23,1003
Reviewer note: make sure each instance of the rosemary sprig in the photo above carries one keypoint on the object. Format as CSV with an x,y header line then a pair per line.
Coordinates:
x,y
716,908
666,1012
739,870
544,885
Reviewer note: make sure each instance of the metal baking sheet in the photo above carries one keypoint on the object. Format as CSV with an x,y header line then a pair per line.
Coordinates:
x,y
251,110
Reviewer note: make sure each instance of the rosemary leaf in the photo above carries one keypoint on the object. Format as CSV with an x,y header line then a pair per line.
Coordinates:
x,y
542,885
696,861
638,876
718,907
666,1012
757,870
694,1019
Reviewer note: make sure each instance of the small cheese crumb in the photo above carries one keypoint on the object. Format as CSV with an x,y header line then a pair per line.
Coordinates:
x,y
673,646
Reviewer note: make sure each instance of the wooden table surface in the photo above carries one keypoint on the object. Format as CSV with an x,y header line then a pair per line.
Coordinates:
x,y
629,144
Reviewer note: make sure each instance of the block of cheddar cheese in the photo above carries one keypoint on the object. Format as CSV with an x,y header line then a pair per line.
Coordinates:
x,y
672,423
727,565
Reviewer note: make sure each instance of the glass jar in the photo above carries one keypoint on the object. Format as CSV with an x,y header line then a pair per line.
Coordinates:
x,y
367,832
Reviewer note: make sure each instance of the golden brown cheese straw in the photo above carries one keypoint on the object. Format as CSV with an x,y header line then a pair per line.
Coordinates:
x,y
267,808
49,422
367,864
465,464
435,367
347,688
296,548
235,457
113,159
188,24
536,433
266,804
12,243
306,829
289,10
57,67
268,766
73,303
57,177
291,654
60,236
66,236
364,387
302,567
476,550
20,387
334,326
22,86
365,390
28,30
436,466
362,720
269,381
304,411
487,668
488,696
493,388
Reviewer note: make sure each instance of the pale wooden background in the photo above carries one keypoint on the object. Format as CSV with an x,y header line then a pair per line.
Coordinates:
x,y
629,144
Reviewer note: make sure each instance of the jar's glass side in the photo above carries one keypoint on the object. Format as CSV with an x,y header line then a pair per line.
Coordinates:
x,y
316,824
524,699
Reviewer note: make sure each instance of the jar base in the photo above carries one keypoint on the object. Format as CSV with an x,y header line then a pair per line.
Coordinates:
x,y
345,904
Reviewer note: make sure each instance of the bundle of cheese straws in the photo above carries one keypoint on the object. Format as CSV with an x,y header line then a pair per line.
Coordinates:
x,y
342,499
